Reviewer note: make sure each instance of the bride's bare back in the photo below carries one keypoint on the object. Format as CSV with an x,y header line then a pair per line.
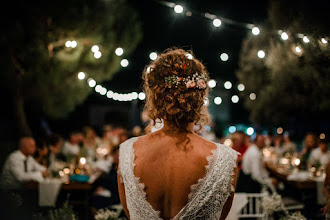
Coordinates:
x,y
168,168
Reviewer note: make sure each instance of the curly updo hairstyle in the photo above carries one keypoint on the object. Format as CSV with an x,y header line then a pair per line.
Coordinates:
x,y
177,105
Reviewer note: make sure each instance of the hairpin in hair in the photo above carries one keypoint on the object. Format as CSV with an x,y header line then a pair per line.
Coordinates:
x,y
197,80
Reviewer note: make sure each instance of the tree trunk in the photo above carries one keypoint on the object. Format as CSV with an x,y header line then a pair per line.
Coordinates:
x,y
23,129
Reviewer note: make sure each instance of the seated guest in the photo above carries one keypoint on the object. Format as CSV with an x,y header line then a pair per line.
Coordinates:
x,y
309,144
278,144
41,153
320,156
20,166
54,143
238,140
288,146
106,187
71,147
90,141
326,191
253,175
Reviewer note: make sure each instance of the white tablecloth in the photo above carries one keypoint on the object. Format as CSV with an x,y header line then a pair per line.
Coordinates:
x,y
48,191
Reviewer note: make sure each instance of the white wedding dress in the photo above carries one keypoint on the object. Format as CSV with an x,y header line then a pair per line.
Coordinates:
x,y
207,196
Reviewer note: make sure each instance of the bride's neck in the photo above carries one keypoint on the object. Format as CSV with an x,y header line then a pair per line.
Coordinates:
x,y
168,128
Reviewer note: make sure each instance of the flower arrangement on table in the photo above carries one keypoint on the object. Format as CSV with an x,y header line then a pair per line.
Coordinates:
x,y
273,204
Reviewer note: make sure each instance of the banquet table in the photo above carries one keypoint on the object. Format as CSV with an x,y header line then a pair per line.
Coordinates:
x,y
281,173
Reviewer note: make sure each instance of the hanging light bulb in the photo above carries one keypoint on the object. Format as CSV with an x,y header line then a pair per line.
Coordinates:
x,y
119,51
261,54
284,36
217,22
255,31
178,9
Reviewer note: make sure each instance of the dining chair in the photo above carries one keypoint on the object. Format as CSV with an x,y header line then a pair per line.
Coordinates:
x,y
253,207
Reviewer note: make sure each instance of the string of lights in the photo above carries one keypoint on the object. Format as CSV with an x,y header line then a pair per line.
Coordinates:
x,y
217,22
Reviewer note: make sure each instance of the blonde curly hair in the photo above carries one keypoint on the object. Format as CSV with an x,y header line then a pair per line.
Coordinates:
x,y
177,105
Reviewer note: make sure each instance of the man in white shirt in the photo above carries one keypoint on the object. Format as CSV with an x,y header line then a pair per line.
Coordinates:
x,y
21,167
320,155
253,170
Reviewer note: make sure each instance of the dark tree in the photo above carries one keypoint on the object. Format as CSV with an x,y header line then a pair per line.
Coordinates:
x,y
37,67
288,82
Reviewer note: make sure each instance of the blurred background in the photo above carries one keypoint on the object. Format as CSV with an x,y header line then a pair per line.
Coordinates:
x,y
70,64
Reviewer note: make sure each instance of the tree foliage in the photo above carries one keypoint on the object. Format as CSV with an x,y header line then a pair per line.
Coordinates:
x,y
38,67
287,83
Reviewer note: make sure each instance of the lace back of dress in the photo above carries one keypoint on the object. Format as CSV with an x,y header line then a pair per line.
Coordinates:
x,y
206,198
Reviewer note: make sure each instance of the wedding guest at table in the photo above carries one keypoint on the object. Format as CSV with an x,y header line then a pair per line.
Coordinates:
x,y
106,187
253,175
310,142
71,147
41,153
320,156
21,167
136,131
90,142
288,145
238,144
278,144
54,143
269,139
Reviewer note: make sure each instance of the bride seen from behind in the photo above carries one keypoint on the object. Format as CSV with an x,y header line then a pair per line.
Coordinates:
x,y
173,173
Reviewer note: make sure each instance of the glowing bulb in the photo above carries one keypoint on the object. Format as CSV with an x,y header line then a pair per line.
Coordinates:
x,y
305,39
224,57
249,131
103,91
119,51
153,56
322,136
284,36
232,129
124,62
91,82
188,13
228,85
297,162
234,99
298,50
66,171
189,56
217,100
73,44
323,40
212,83
97,54
68,44
110,94
252,96
227,142
255,31
240,87
206,102
61,173
82,160
95,48
98,88
217,22
178,9
81,75
279,130
135,95
149,69
142,96
261,54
